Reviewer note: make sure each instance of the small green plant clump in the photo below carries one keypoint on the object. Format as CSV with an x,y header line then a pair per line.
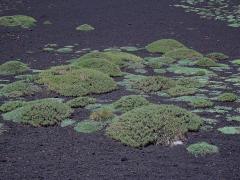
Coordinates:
x,y
43,112
153,124
63,50
69,81
88,126
19,88
184,53
180,91
85,27
99,64
230,130
202,149
11,105
80,102
13,68
217,56
17,20
227,97
206,62
102,115
201,103
164,46
127,103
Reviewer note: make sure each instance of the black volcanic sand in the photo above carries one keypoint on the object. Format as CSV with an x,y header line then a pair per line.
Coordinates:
x,y
62,153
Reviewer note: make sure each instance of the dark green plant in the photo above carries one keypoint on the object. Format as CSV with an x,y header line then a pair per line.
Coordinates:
x,y
201,103
206,62
102,115
127,103
153,124
227,97
69,81
80,102
164,45
202,149
181,91
184,53
11,105
217,56
17,20
13,68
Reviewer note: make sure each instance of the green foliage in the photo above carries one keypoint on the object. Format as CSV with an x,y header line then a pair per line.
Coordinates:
x,y
201,103
17,20
13,68
80,102
184,53
153,124
230,130
42,112
85,27
153,83
127,103
206,62
202,148
158,62
236,61
102,115
164,45
67,122
19,88
69,81
188,70
99,64
217,56
11,105
117,57
227,97
64,50
88,126
181,91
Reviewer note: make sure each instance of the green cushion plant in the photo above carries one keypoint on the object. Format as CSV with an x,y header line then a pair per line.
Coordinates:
x,y
80,102
217,56
180,91
227,97
153,124
103,114
13,68
202,148
17,20
85,27
206,62
201,103
184,53
11,105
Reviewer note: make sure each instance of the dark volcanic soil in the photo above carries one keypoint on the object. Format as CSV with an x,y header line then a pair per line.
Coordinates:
x,y
61,153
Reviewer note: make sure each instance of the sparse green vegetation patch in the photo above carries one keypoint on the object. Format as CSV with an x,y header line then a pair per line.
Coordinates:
x,y
201,103
217,56
102,115
230,130
17,20
180,91
11,105
184,53
80,102
88,126
69,81
153,124
206,62
85,27
13,68
202,149
227,97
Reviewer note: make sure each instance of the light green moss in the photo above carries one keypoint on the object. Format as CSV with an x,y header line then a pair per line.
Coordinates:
x,y
11,105
202,149
230,130
180,91
227,97
201,103
85,27
217,56
64,50
17,20
88,126
13,68
206,62
184,53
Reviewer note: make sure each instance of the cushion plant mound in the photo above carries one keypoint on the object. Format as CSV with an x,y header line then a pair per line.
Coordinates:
x,y
153,83
85,27
102,115
184,53
201,103
13,68
43,112
11,105
181,91
127,103
164,45
69,81
116,57
202,148
19,88
227,97
190,82
206,62
217,56
17,20
80,102
88,126
230,130
99,64
153,124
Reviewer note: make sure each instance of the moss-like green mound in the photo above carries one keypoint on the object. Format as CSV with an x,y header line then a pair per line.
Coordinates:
x,y
69,81
227,97
158,62
217,56
116,57
88,126
99,64
11,105
153,124
80,102
202,148
13,68
184,53
164,45
43,112
181,91
19,88
17,20
201,103
206,62
127,103
63,50
102,115
85,27
230,130
153,83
